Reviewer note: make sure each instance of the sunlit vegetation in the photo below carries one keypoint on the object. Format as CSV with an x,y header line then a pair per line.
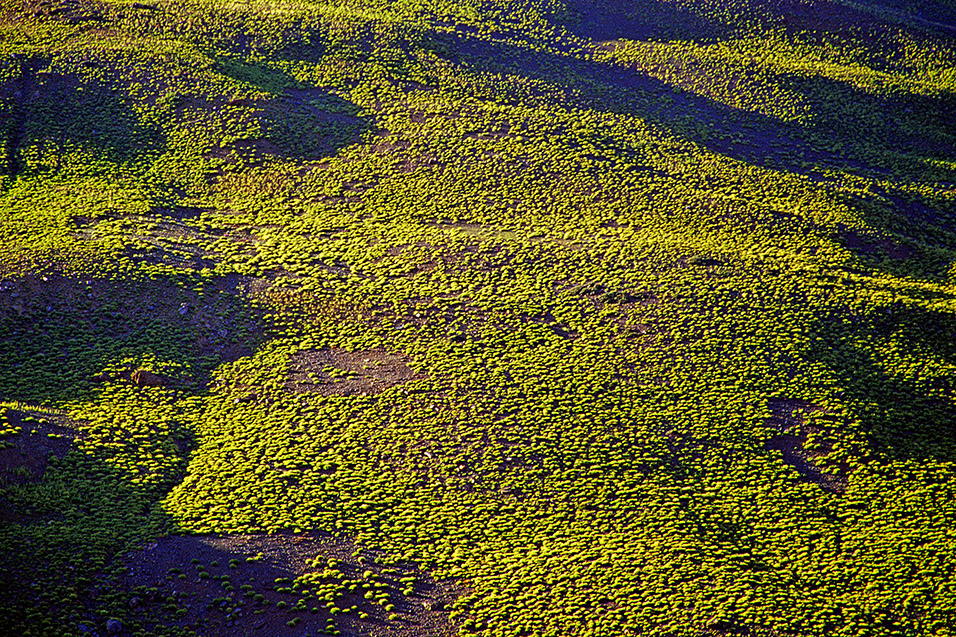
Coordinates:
x,y
615,318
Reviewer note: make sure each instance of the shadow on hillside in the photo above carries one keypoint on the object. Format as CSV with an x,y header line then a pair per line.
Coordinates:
x,y
243,584
263,78
64,339
905,416
916,237
57,122
49,115
295,121
64,529
908,137
931,15
606,20
70,506
910,128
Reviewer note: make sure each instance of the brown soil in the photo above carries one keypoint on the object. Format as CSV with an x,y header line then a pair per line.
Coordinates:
x,y
168,587
337,371
792,440
146,378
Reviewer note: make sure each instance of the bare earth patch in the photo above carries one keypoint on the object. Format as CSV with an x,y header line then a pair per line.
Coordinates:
x,y
244,585
340,372
792,443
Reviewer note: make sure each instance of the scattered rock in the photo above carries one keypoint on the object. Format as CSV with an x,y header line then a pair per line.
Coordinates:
x,y
279,557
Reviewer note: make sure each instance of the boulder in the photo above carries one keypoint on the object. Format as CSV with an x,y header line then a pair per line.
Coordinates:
x,y
146,378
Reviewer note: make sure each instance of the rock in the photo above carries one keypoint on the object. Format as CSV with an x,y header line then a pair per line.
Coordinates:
x,y
146,378
114,627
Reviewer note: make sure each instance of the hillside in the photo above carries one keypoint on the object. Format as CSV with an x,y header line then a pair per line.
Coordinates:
x,y
512,318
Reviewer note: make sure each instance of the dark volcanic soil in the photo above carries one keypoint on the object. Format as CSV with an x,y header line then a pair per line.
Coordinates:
x,y
242,585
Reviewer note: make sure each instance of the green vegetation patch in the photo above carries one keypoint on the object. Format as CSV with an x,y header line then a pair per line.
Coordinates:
x,y
508,319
